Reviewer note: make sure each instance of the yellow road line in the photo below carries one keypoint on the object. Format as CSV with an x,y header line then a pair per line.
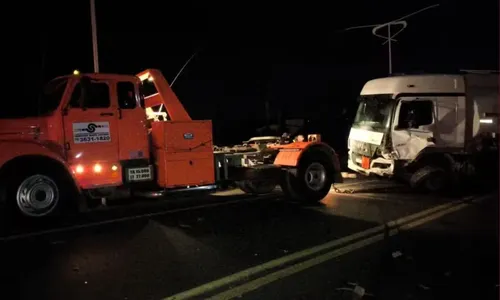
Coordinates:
x,y
301,266
245,274
253,271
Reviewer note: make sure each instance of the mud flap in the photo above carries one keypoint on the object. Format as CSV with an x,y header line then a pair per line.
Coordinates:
x,y
82,204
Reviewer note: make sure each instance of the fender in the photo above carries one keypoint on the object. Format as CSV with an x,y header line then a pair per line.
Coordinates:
x,y
12,149
290,154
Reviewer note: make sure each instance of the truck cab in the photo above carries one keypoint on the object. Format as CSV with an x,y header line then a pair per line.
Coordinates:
x,y
405,120
93,135
96,123
104,130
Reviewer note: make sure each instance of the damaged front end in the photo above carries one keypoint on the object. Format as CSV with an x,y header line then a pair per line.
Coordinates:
x,y
369,159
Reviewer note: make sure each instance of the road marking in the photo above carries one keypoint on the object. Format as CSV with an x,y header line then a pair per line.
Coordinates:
x,y
130,218
301,266
253,271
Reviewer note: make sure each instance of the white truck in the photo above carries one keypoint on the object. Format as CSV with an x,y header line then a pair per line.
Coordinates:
x,y
430,130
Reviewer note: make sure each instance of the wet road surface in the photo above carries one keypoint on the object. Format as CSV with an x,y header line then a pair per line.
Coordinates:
x,y
156,250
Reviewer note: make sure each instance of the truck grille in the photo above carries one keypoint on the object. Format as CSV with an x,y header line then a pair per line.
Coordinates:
x,y
364,149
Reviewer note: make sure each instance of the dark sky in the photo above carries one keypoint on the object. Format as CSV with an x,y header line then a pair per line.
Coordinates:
x,y
293,55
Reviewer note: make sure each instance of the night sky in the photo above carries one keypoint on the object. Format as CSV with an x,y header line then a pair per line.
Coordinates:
x,y
294,55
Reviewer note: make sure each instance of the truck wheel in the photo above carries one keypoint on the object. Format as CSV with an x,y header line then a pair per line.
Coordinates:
x,y
429,178
37,194
256,187
312,182
242,186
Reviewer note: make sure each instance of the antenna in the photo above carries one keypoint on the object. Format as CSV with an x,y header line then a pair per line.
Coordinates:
x,y
183,67
179,73
401,22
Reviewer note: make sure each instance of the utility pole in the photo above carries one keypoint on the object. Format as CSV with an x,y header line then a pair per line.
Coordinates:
x,y
94,36
390,36
390,45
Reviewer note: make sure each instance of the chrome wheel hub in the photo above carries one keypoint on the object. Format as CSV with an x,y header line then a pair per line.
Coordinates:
x,y
37,196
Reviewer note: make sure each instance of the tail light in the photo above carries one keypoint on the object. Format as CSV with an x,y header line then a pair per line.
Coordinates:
x,y
79,169
97,168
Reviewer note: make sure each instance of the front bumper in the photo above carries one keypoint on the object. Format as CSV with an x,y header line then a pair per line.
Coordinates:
x,y
378,166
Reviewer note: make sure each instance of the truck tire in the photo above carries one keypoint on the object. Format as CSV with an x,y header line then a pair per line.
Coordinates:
x,y
256,187
37,194
430,179
242,186
312,181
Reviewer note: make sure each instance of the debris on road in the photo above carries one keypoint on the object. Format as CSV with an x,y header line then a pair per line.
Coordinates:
x,y
346,191
358,292
349,175
57,242
396,254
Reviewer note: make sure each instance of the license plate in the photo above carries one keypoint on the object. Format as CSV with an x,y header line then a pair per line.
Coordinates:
x,y
139,174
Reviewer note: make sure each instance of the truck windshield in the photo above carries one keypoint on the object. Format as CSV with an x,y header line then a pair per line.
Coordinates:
x,y
44,104
374,111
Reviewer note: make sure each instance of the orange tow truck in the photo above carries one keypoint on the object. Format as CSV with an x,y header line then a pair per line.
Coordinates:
x,y
98,136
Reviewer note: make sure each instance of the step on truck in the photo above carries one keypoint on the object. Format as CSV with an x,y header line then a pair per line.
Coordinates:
x,y
101,136
432,131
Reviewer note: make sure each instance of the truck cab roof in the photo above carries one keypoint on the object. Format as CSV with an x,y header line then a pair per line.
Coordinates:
x,y
427,83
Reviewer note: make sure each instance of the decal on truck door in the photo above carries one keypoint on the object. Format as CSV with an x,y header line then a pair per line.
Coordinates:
x,y
93,132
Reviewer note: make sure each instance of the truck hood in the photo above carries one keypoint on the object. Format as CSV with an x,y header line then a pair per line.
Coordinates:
x,y
27,128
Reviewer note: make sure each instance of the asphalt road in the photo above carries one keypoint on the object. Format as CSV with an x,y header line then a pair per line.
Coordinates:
x,y
199,247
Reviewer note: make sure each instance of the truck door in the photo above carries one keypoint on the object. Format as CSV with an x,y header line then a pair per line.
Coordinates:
x,y
133,134
91,134
414,129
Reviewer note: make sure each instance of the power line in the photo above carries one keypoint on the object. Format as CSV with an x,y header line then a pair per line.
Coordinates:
x,y
401,22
